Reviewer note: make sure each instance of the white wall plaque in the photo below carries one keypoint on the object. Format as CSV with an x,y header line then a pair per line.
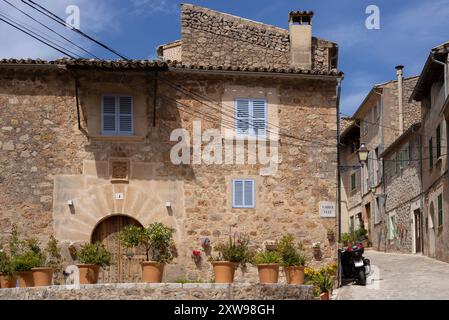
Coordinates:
x,y
119,196
327,209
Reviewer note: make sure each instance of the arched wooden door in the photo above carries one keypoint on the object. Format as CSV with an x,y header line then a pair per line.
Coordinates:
x,y
126,263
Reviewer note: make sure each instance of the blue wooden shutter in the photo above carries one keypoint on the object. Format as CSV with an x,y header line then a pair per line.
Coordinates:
x,y
259,117
109,120
237,200
125,116
249,193
242,110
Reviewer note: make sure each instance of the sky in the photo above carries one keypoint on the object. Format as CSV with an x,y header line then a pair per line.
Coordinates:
x,y
409,29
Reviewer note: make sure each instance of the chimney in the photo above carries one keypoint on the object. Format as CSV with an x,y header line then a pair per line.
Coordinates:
x,y
301,39
399,74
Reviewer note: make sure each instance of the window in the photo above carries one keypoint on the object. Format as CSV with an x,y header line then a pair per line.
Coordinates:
x,y
391,230
353,181
438,138
117,115
404,157
243,193
430,153
251,117
440,210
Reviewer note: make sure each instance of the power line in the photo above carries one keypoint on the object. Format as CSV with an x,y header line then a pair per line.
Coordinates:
x,y
35,37
59,20
50,29
374,123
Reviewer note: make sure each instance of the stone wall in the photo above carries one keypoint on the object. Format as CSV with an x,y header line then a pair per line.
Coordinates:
x,y
47,161
214,38
162,291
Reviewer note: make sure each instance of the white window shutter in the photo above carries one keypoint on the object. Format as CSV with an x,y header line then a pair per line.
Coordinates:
x,y
259,117
109,120
125,115
242,110
249,193
238,193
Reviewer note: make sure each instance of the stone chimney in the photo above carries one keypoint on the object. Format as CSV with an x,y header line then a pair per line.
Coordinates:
x,y
301,39
400,74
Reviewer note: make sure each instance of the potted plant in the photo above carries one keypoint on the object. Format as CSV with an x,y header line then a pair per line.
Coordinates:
x,y
316,246
293,260
330,235
24,258
267,263
7,277
51,261
92,256
157,241
230,255
325,283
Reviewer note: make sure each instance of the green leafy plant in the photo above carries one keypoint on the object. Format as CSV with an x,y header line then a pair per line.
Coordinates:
x,y
290,252
94,253
157,241
320,278
6,267
182,281
266,257
324,281
53,257
236,250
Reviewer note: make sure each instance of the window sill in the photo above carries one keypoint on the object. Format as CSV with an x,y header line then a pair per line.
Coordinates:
x,y
118,138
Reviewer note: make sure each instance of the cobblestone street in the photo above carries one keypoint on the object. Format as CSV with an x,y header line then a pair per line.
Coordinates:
x,y
403,277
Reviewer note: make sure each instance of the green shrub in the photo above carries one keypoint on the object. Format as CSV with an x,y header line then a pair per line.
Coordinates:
x,y
157,241
235,250
290,253
53,257
6,266
324,281
266,257
94,253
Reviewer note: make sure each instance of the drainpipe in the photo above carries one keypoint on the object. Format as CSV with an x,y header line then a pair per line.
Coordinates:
x,y
338,179
399,73
445,72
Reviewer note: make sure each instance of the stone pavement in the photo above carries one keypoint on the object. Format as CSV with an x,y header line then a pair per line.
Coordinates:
x,y
400,277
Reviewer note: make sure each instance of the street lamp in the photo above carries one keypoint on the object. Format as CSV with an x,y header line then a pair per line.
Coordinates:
x,y
363,153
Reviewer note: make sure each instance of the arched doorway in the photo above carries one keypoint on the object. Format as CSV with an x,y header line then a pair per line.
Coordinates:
x,y
431,230
126,264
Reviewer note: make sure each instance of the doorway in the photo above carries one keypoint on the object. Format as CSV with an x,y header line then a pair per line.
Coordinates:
x,y
418,231
125,262
431,229
367,222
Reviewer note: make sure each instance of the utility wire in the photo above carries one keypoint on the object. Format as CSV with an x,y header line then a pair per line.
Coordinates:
x,y
50,29
59,20
37,38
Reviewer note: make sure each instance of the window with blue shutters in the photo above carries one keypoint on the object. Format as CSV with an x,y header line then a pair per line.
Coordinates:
x,y
117,115
251,117
243,193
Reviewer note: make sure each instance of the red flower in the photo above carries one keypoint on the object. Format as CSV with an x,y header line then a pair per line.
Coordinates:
x,y
196,253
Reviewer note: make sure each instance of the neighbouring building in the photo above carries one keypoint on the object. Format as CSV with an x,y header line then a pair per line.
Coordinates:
x,y
86,146
384,115
432,91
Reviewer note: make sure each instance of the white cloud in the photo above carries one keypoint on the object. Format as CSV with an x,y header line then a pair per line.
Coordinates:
x,y
148,7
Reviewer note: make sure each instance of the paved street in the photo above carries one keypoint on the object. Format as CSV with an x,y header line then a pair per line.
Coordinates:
x,y
396,276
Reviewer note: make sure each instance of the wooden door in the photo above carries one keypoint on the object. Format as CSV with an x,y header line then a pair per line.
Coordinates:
x,y
125,262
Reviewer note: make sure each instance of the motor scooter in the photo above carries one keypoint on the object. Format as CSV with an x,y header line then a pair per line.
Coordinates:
x,y
354,266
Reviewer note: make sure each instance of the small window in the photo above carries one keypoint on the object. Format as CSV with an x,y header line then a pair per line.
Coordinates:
x,y
251,117
430,153
438,141
392,228
353,181
440,210
117,115
243,193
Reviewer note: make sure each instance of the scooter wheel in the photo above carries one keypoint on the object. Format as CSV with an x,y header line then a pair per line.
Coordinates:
x,y
362,277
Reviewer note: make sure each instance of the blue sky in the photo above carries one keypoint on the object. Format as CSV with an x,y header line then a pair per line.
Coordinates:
x,y
409,29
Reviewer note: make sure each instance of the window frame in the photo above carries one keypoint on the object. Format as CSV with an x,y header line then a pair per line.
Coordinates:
x,y
440,209
253,194
353,181
117,133
431,153
438,141
251,131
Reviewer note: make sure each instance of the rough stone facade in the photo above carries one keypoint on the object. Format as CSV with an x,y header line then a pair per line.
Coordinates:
x,y
214,38
165,291
47,161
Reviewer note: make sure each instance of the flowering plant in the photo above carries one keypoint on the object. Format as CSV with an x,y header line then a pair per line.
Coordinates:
x,y
196,253
316,245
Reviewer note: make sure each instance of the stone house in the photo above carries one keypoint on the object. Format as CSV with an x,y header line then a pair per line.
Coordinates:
x,y
432,91
87,146
382,117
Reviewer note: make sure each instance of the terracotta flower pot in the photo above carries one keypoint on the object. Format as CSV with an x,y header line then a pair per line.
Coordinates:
x,y
25,279
7,281
325,296
224,271
268,273
42,277
88,273
294,274
152,272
